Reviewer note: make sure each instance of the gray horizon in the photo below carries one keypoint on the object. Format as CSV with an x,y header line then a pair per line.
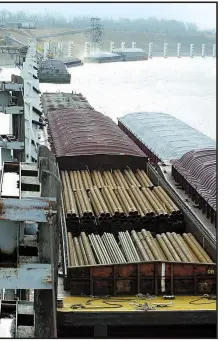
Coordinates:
x,y
202,14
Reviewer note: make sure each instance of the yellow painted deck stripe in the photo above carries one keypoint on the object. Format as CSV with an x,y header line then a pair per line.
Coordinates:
x,y
180,303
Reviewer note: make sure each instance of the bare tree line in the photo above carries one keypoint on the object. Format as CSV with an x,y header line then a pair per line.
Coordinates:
x,y
54,20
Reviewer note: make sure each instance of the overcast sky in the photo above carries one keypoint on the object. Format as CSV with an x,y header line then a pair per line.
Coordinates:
x,y
203,14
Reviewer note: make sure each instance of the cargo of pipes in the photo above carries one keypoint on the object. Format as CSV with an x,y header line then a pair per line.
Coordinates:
x,y
130,54
103,57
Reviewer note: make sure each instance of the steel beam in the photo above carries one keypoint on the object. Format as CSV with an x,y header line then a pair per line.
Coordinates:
x,y
26,209
12,145
13,110
35,276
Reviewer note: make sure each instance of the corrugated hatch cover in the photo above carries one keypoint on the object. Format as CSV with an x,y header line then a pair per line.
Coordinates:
x,y
199,170
166,136
77,132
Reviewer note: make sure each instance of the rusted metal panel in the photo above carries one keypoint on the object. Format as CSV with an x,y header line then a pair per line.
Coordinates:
x,y
34,209
198,169
149,277
88,132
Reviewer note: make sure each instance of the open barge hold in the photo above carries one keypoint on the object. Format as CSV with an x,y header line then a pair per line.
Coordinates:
x,y
100,167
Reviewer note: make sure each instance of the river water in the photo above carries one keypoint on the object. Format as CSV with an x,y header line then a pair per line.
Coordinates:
x,y
184,88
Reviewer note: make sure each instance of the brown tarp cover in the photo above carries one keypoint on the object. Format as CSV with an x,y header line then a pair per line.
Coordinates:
x,y
77,132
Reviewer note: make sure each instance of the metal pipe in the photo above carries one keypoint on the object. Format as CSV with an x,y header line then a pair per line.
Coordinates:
x,y
88,178
203,252
135,180
164,248
136,203
71,253
143,178
189,249
195,249
88,250
171,248
139,245
168,198
76,261
75,176
102,202
95,249
176,247
164,201
153,201
84,180
82,203
115,200
181,246
80,212
67,203
72,181
81,186
115,245
100,251
97,203
134,251
95,179
108,202
106,255
108,246
190,256
151,245
78,251
157,246
83,251
125,247
145,245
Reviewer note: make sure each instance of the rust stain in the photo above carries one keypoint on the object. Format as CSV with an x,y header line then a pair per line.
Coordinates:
x,y
1,208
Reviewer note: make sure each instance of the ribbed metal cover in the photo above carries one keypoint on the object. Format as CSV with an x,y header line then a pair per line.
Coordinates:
x,y
199,169
166,136
78,132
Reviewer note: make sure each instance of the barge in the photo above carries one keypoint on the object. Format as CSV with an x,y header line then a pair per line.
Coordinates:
x,y
151,282
53,71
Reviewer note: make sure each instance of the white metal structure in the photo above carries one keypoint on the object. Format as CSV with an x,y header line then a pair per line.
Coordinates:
x,y
203,52
46,49
123,45
112,46
32,108
165,51
192,50
71,49
178,50
133,45
150,49
60,49
87,49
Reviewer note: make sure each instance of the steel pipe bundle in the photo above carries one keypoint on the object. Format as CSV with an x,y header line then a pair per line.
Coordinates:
x,y
102,212
109,180
128,247
115,208
135,247
143,178
113,196
120,179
